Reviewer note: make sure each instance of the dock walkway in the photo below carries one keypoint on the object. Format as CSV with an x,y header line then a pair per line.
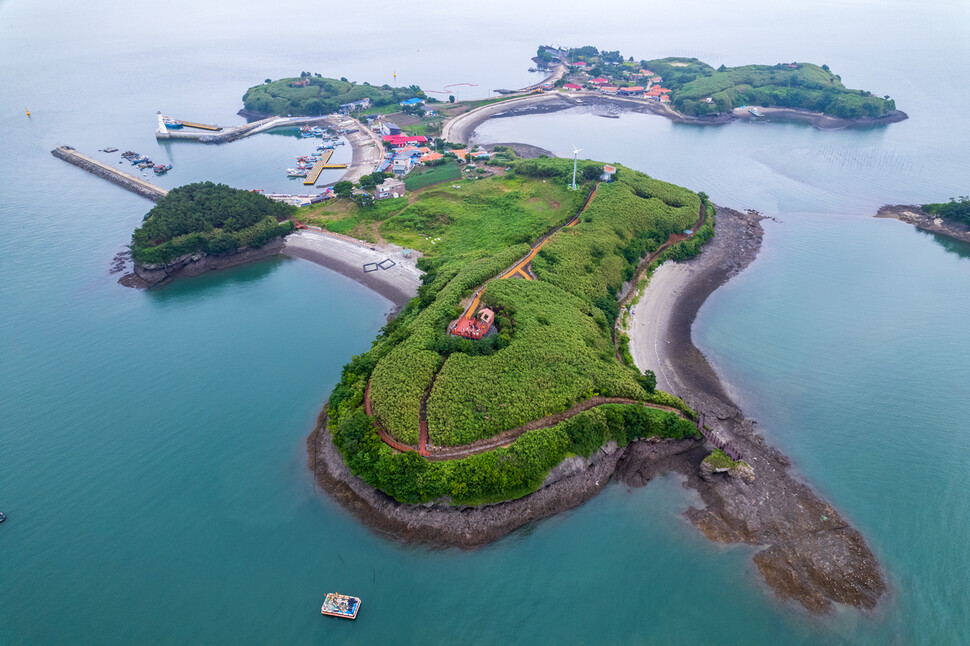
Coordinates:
x,y
121,178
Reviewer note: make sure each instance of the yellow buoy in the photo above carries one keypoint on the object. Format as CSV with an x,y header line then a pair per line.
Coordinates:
x,y
28,112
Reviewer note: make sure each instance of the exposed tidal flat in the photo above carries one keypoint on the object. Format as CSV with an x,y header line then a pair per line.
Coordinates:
x,y
153,448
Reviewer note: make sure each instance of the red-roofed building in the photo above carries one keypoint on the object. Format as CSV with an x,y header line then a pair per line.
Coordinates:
x,y
572,86
474,328
600,81
657,79
609,89
579,64
631,91
665,98
403,140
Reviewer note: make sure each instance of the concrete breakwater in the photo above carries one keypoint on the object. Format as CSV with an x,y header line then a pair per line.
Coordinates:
x,y
121,178
231,133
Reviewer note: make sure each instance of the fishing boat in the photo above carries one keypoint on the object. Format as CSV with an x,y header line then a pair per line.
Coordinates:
x,y
130,154
340,605
146,164
110,149
754,111
3,517
296,172
162,168
170,123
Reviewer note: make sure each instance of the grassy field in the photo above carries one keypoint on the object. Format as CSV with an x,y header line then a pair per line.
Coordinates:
x,y
433,175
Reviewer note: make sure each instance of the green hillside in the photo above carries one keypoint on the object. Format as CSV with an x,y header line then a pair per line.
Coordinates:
x,y
320,95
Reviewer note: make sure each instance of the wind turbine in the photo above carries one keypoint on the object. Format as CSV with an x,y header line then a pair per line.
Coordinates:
x,y
576,152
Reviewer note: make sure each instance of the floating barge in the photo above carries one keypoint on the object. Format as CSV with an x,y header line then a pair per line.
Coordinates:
x,y
340,605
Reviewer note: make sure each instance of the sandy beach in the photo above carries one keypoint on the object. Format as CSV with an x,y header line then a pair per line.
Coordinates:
x,y
398,282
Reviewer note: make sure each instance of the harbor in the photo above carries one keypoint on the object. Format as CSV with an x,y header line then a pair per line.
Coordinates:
x,y
171,128
121,178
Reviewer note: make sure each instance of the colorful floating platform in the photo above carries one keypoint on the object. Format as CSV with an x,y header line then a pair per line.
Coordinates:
x,y
340,605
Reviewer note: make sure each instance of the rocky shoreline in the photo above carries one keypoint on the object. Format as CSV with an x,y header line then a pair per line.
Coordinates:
x,y
196,264
810,553
919,218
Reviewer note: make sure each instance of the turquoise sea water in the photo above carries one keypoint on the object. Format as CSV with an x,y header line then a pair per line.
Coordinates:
x,y
152,457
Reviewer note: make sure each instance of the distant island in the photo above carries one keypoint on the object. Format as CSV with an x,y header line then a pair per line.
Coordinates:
x,y
950,219
315,95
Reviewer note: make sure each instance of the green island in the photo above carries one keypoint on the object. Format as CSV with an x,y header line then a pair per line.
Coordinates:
x,y
208,218
483,420
314,95
697,89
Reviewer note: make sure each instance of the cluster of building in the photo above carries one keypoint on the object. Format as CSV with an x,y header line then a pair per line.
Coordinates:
x,y
407,151
651,90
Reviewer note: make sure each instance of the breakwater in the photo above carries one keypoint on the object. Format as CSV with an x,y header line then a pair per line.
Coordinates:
x,y
121,178
216,134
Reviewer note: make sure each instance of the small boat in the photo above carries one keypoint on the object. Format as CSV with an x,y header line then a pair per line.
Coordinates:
x,y
754,111
145,164
3,517
130,154
162,168
110,149
170,123
340,605
296,172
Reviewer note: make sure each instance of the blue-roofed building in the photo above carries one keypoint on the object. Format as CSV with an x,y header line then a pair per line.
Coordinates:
x,y
411,102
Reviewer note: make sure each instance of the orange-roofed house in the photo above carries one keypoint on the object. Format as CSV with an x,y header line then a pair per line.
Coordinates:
x,y
631,91
665,98
428,157
609,89
460,153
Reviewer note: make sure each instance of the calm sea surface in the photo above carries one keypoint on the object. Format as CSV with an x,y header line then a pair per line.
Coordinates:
x,y
152,458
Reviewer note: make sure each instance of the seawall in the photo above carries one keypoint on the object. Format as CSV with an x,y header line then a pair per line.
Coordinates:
x,y
121,178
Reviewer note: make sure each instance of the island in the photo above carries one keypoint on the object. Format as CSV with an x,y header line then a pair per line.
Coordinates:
x,y
951,219
510,382
315,95
204,226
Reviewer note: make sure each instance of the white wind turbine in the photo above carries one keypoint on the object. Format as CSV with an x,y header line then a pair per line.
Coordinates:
x,y
576,152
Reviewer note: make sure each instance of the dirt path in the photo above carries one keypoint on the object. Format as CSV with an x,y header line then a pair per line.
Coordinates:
x,y
437,453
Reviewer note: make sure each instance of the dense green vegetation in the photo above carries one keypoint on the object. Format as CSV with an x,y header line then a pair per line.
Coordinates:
x,y
796,85
502,474
321,95
788,85
721,460
553,346
208,218
956,210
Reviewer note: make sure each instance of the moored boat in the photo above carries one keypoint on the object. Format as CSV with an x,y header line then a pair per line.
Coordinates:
x,y
170,123
3,517
755,112
110,149
340,605
296,172
162,168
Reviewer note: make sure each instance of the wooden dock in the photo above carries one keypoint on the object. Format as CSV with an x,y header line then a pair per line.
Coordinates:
x,y
200,126
318,168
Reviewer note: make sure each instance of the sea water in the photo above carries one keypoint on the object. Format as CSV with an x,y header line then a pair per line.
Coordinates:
x,y
152,443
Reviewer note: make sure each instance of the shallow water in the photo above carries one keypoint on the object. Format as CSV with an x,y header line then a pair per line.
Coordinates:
x,y
152,457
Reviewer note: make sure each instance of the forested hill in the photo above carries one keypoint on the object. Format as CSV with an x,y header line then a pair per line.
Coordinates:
x,y
788,85
208,218
698,89
314,95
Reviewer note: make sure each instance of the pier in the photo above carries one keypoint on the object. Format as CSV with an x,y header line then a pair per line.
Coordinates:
x,y
212,134
121,178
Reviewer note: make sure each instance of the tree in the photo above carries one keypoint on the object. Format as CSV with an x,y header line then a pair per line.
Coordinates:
x,y
343,189
451,98
268,81
363,200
